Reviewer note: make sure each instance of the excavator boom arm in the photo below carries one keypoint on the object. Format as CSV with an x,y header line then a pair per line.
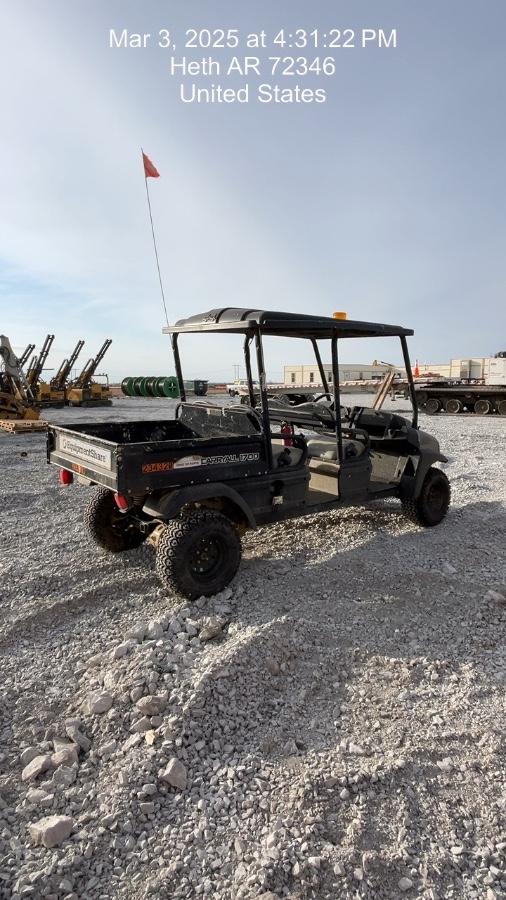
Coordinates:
x,y
59,381
91,366
36,370
24,356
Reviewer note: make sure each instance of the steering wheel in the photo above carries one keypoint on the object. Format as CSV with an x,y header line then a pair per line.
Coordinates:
x,y
321,396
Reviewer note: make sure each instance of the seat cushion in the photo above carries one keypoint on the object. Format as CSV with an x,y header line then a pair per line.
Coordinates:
x,y
285,456
325,447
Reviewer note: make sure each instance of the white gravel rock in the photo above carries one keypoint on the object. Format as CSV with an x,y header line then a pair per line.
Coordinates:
x,y
211,628
98,703
123,649
28,754
51,831
154,629
36,795
151,705
337,627
67,756
141,725
175,774
36,767
77,736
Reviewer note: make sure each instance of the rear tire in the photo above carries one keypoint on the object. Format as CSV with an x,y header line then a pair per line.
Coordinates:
x,y
108,527
501,407
453,406
431,505
198,554
482,407
432,406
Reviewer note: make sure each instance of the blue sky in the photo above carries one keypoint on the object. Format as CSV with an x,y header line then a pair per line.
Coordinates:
x,y
388,201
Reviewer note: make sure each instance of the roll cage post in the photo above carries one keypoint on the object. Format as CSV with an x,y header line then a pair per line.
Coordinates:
x,y
249,376
337,398
263,397
177,363
411,383
320,365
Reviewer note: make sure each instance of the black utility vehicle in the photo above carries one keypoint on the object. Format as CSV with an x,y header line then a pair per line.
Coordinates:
x,y
196,483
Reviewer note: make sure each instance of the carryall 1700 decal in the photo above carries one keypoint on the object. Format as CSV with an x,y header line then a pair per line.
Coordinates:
x,y
188,462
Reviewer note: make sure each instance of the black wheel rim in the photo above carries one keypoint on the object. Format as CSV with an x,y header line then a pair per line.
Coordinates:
x,y
206,558
437,497
120,522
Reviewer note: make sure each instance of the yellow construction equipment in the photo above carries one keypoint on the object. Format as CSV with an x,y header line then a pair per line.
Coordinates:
x,y
23,359
40,389
58,384
17,400
84,391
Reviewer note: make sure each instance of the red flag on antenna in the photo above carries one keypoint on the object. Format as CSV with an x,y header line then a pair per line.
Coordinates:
x,y
150,171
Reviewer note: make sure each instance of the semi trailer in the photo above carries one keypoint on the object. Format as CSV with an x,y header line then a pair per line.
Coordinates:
x,y
475,386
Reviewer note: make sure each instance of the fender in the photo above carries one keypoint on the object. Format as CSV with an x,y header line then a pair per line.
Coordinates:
x,y
169,505
411,485
429,453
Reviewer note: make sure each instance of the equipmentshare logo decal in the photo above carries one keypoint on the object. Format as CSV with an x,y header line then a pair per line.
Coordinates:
x,y
98,456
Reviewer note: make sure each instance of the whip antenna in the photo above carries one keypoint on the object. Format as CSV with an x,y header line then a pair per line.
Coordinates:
x,y
150,171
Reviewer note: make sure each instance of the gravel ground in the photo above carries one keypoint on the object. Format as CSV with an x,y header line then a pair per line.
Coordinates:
x,y
331,726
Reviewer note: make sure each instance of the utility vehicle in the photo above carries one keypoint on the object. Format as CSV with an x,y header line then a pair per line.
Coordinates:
x,y
194,484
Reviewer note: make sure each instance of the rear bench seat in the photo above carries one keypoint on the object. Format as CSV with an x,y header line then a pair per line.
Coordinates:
x,y
284,456
325,447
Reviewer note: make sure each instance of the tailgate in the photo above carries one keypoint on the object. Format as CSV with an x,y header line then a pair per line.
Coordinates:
x,y
91,457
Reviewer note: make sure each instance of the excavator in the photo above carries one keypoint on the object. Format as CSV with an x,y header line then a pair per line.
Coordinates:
x,y
17,399
83,390
39,388
58,384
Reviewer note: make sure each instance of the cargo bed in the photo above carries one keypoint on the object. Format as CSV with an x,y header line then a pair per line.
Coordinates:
x,y
146,456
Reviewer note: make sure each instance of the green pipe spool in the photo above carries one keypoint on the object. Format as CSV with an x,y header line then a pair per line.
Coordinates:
x,y
126,386
169,387
150,383
150,386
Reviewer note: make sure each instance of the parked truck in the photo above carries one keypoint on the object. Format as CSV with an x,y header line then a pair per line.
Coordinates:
x,y
476,385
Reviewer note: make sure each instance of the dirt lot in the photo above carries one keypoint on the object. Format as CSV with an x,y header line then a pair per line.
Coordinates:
x,y
341,736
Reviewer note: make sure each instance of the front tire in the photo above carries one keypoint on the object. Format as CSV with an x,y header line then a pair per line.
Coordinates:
x,y
198,554
431,505
108,527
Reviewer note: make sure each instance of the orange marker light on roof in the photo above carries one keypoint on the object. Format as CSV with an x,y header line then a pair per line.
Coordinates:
x,y
339,315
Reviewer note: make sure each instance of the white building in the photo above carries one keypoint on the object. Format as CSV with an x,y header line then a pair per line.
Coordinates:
x,y
441,369
307,376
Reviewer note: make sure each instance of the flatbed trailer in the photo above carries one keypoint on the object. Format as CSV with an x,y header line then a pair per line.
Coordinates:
x,y
461,397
